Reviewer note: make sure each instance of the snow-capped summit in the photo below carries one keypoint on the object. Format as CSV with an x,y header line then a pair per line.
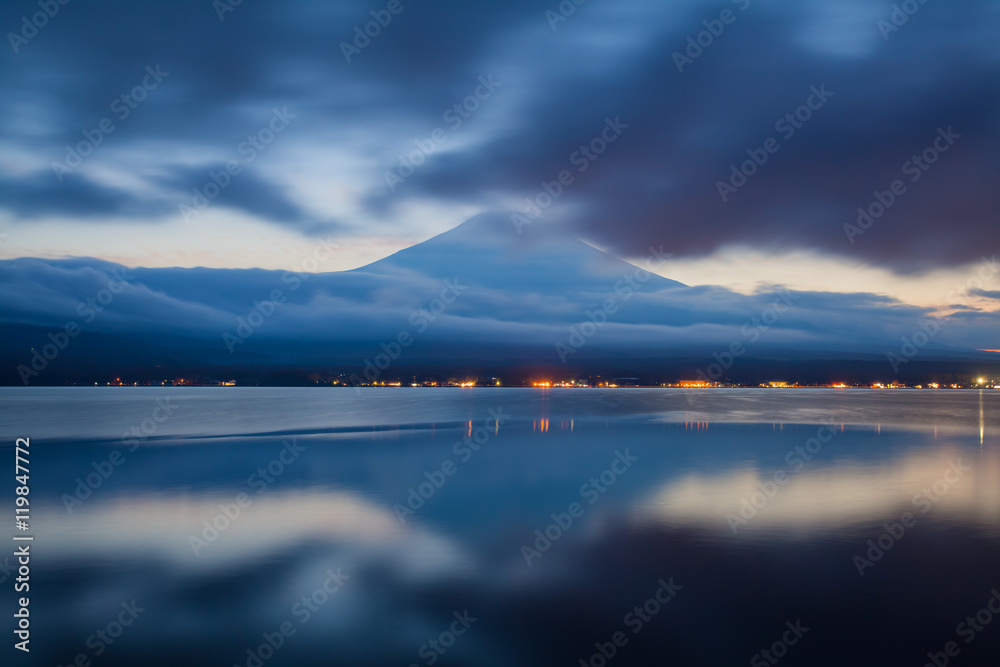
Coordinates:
x,y
489,250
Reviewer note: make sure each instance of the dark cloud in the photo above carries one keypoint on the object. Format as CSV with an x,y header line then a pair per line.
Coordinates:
x,y
244,190
989,294
41,194
656,184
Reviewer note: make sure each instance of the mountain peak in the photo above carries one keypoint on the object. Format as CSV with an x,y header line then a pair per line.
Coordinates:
x,y
489,250
500,222
498,227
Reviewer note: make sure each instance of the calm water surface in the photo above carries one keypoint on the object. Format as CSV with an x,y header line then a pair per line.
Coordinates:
x,y
409,527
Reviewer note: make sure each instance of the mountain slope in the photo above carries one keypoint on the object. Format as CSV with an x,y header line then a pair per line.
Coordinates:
x,y
480,291
488,251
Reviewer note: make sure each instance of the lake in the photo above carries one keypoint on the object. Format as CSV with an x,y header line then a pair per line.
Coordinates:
x,y
297,526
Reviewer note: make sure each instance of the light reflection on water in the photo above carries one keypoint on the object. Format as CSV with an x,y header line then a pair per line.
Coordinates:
x,y
982,421
699,456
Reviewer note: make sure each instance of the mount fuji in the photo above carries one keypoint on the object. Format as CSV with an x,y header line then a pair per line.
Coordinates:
x,y
482,297
490,252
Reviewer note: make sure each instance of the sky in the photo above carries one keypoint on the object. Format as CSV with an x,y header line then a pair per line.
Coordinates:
x,y
847,147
